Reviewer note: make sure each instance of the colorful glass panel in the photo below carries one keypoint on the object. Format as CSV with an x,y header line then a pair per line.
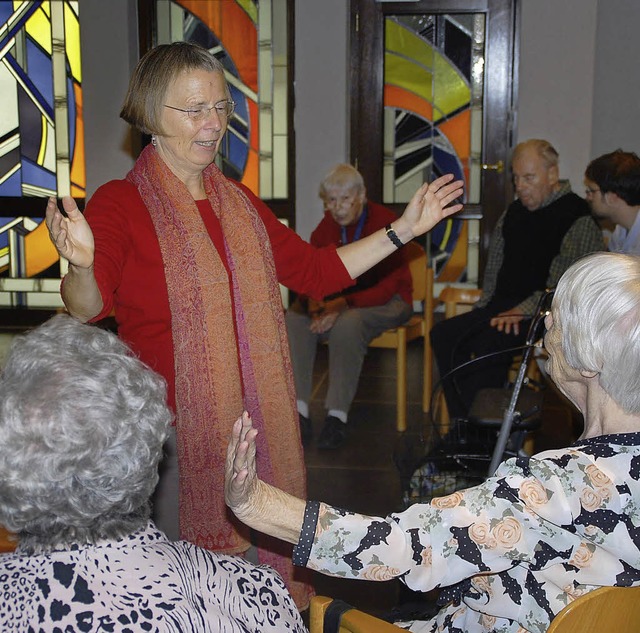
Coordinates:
x,y
249,37
432,98
41,139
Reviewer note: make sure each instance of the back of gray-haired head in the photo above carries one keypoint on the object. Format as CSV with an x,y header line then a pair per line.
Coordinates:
x,y
597,301
82,424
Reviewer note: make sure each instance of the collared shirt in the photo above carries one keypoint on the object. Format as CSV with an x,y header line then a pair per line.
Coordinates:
x,y
510,553
142,582
582,238
623,241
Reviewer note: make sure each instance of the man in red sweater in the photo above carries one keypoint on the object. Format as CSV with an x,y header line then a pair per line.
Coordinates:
x,y
348,321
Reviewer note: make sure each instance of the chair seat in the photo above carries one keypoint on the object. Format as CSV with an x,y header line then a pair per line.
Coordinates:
x,y
8,541
389,339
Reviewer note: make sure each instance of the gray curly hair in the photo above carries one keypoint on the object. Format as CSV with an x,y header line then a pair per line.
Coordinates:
x,y
82,424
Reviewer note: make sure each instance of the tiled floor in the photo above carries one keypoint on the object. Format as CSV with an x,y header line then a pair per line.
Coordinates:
x,y
362,475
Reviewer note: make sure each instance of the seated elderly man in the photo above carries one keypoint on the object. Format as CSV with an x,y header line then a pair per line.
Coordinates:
x,y
350,320
511,552
534,241
82,423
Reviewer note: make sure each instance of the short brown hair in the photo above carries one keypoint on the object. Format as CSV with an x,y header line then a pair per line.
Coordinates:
x,y
154,72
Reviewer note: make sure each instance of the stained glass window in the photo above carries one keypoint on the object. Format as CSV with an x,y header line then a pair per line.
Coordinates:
x,y
433,91
250,38
41,140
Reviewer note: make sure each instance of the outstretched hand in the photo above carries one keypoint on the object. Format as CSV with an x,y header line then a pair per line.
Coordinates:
x,y
71,235
432,203
241,480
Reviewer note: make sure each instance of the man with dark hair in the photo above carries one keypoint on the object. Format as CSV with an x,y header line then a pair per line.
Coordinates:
x,y
535,240
612,183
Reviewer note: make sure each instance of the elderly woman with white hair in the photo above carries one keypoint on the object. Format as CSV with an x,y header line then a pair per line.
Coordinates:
x,y
510,553
82,424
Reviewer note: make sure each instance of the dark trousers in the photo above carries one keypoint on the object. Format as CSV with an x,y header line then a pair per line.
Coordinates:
x,y
468,336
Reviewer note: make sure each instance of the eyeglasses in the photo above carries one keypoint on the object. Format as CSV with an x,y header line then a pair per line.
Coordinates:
x,y
589,192
223,108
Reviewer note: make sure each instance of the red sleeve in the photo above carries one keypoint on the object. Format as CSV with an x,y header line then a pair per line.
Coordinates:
x,y
388,278
305,269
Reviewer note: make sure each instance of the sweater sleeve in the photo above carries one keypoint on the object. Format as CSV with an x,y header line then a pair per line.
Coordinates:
x,y
316,272
386,279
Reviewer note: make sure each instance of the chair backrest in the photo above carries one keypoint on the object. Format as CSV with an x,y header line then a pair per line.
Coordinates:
x,y
417,259
454,297
352,621
615,609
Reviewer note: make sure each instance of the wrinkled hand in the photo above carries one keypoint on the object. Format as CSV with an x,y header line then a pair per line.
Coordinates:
x,y
507,321
323,320
71,235
240,481
430,204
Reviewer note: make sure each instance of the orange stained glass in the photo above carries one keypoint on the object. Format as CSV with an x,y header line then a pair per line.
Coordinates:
x,y
78,170
457,129
234,27
40,251
396,97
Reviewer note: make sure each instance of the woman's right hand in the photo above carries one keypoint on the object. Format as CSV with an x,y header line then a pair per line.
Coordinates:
x,y
71,235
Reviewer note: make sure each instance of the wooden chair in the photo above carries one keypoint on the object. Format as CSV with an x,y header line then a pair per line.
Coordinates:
x,y
352,621
458,300
7,541
418,326
615,609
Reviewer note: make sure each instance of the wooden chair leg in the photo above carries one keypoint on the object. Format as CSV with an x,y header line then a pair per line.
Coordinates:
x,y
401,381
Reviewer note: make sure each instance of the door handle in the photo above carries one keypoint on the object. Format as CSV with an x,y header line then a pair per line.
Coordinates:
x,y
497,167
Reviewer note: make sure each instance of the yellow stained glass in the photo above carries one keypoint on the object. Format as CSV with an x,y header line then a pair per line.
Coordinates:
x,y
72,42
39,27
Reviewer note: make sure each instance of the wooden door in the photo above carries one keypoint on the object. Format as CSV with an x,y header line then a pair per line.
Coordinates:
x,y
433,89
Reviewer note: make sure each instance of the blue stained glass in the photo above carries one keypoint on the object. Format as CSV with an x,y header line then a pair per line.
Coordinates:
x,y
241,103
447,163
238,152
4,236
12,186
33,174
40,71
6,10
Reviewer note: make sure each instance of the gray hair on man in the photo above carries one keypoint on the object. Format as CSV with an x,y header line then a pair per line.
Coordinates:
x,y
82,424
598,304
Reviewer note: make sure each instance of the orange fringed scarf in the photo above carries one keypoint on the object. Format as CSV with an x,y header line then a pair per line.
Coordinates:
x,y
211,366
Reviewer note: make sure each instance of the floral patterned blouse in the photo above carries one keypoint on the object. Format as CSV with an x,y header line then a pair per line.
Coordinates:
x,y
509,553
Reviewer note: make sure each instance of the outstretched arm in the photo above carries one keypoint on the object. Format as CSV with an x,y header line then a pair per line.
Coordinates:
x,y
254,502
429,205
73,239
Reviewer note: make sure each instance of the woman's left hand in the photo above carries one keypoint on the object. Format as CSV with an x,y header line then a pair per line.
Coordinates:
x,y
240,476
430,204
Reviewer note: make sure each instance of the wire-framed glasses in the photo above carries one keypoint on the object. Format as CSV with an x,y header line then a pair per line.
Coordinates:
x,y
223,108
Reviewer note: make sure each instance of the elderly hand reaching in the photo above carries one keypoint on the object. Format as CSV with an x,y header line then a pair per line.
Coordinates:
x,y
240,475
254,502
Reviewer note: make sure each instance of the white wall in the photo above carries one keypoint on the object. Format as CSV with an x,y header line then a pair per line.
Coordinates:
x,y
109,37
616,102
555,95
322,101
